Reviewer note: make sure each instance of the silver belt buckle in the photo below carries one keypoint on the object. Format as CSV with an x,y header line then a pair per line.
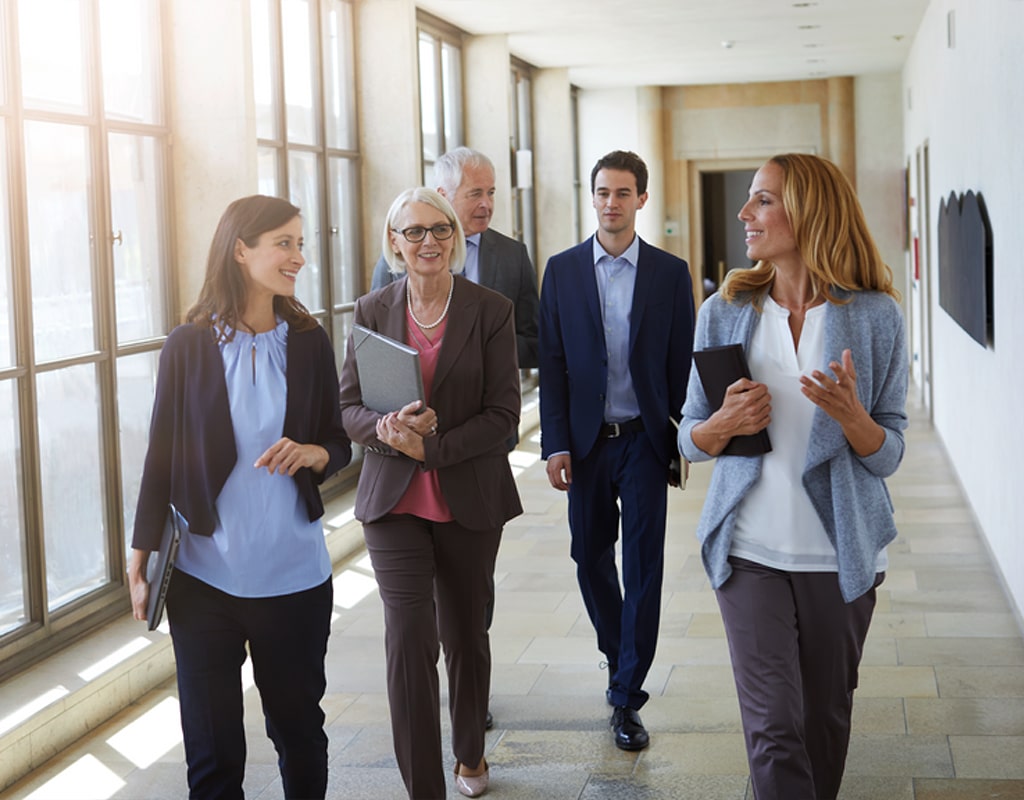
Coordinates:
x,y
616,431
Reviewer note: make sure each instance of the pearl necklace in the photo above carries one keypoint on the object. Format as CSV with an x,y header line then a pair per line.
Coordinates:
x,y
440,319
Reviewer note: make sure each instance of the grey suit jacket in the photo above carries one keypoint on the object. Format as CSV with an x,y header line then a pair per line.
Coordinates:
x,y
505,267
475,393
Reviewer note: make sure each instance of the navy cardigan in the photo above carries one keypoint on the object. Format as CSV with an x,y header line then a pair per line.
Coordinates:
x,y
191,442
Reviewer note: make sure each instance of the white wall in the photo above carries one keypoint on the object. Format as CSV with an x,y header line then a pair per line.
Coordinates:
x,y
967,103
879,135
618,119
214,124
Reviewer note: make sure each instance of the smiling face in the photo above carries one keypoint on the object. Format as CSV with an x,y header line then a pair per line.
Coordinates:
x,y
427,257
769,234
616,201
473,201
272,264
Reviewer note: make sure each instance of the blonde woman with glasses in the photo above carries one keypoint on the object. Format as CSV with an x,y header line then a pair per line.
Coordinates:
x,y
436,487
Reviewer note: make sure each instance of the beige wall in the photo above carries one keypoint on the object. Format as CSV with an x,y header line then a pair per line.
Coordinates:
x,y
552,163
487,87
388,109
739,126
214,125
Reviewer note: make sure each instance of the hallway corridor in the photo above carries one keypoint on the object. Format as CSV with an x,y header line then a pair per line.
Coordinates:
x,y
939,714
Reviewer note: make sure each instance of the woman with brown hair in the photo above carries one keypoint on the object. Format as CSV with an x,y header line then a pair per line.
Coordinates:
x,y
246,425
793,541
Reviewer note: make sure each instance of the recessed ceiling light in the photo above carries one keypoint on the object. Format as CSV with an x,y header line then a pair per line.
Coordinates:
x,y
807,27
812,44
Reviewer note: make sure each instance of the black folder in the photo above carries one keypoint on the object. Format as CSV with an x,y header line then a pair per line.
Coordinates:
x,y
389,371
160,569
719,368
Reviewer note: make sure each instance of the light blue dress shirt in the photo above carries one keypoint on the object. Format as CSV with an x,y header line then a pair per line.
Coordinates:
x,y
472,268
264,544
616,278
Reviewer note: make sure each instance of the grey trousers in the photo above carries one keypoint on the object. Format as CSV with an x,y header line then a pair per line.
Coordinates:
x,y
437,583
795,647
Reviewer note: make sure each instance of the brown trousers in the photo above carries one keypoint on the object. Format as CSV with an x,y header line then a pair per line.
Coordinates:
x,y
436,581
795,647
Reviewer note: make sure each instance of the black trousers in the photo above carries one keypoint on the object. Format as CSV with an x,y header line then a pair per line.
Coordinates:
x,y
437,584
287,640
796,646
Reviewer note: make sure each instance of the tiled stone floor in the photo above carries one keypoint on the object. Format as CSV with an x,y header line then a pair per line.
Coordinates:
x,y
939,714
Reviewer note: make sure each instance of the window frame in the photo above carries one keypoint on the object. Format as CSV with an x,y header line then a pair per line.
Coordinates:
x,y
442,35
336,312
44,630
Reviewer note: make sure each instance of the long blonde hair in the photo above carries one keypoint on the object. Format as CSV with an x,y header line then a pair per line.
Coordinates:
x,y
830,232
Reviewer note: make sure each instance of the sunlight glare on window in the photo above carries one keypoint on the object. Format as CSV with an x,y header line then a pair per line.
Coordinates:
x,y
52,67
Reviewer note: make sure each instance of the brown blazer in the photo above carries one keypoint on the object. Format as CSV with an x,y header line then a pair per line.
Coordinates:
x,y
475,394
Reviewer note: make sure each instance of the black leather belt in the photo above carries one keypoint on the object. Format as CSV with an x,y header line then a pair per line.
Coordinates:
x,y
613,430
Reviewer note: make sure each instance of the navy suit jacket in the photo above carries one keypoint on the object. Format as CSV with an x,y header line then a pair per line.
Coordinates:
x,y
574,358
506,268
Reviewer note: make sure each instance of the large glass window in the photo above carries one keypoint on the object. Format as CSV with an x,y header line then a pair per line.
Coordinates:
x,y
440,62
306,131
84,304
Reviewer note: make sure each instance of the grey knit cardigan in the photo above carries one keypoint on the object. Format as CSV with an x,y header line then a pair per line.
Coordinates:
x,y
848,491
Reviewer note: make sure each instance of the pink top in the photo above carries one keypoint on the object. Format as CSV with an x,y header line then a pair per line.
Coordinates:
x,y
423,496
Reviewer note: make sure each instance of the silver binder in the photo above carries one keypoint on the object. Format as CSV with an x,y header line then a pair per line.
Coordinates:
x,y
389,371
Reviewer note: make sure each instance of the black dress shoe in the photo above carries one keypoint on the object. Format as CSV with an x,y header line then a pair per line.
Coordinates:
x,y
629,731
489,722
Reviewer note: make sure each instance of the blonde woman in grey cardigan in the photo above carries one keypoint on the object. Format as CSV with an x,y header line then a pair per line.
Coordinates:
x,y
794,541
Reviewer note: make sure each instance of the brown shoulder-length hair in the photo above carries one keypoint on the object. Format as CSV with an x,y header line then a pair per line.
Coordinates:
x,y
830,233
221,301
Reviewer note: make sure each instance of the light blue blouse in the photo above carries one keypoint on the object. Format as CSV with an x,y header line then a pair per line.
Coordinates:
x,y
264,544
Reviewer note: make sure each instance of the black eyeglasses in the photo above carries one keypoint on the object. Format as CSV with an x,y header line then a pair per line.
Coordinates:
x,y
417,233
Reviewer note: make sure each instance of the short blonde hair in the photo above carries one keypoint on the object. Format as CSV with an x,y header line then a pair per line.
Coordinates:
x,y
830,231
421,194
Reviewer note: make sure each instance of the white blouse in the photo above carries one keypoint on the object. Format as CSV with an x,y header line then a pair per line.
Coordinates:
x,y
776,524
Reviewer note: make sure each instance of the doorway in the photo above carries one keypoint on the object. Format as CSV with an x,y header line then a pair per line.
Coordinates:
x,y
723,194
714,242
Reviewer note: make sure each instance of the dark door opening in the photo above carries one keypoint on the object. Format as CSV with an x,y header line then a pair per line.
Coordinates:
x,y
723,195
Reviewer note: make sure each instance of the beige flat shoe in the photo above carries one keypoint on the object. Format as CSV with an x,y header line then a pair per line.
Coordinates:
x,y
472,785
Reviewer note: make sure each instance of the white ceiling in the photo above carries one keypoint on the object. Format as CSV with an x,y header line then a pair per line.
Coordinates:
x,y
616,43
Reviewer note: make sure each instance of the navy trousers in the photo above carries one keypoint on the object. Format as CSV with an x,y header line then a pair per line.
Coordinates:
x,y
287,640
795,646
627,472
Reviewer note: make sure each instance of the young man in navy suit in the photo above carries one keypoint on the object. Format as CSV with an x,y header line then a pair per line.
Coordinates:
x,y
616,337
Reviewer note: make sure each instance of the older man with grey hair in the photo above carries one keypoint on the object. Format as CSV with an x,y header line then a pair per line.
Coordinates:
x,y
466,178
